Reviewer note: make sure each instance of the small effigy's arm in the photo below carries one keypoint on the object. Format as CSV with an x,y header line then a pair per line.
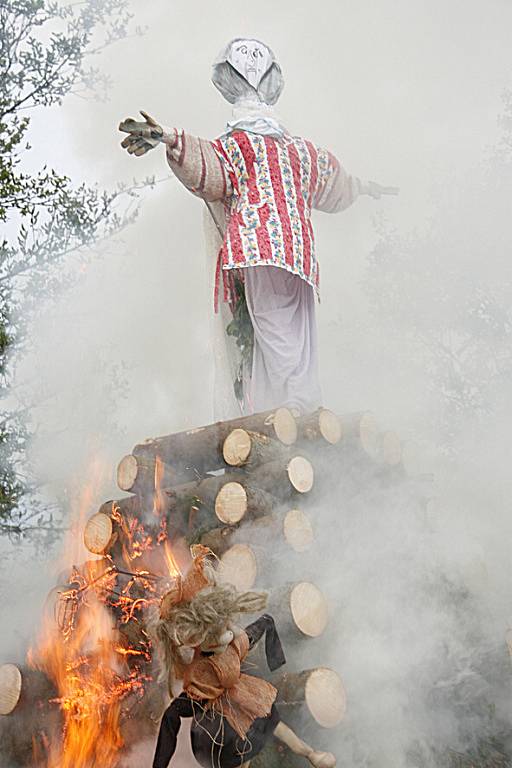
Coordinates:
x,y
274,653
336,189
169,728
193,161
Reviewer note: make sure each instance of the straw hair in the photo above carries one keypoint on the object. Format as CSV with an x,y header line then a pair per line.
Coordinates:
x,y
201,620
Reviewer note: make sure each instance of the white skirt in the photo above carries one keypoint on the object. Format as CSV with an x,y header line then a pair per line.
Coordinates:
x,y
285,361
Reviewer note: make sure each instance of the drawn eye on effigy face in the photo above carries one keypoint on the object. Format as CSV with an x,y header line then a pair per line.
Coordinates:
x,y
251,59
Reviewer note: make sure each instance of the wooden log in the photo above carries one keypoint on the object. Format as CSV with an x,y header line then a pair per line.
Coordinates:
x,y
122,528
320,691
24,693
360,430
238,566
22,729
23,688
10,688
140,474
302,609
98,533
131,506
262,484
229,498
219,540
245,448
298,531
193,453
289,526
284,478
236,501
322,425
226,498
292,527
104,535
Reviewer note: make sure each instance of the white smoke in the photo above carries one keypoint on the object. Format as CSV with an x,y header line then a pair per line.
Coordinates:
x,y
407,94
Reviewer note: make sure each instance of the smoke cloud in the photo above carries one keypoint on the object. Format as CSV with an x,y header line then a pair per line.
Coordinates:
x,y
405,93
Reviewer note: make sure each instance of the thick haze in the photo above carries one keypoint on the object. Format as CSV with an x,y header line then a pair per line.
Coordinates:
x,y
405,93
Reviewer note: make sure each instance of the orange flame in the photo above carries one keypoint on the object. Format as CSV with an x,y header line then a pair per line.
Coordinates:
x,y
85,669
78,651
93,645
172,565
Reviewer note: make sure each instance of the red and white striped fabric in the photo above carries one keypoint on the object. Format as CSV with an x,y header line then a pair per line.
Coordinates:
x,y
276,184
269,187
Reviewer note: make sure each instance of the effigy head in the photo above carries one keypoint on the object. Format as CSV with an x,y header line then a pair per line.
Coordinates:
x,y
247,69
199,612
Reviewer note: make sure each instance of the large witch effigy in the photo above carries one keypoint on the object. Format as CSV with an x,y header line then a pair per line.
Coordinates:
x,y
261,185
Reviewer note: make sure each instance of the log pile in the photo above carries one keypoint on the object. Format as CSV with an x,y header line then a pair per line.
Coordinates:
x,y
245,488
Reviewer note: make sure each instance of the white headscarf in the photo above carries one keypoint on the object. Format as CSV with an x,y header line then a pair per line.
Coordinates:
x,y
252,110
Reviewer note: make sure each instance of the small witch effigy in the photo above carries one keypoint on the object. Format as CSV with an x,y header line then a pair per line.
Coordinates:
x,y
234,714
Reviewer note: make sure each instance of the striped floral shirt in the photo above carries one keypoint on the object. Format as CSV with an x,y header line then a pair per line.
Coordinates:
x,y
269,187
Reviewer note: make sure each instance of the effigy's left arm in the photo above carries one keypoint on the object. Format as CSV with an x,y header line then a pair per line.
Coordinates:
x,y
337,189
265,625
169,728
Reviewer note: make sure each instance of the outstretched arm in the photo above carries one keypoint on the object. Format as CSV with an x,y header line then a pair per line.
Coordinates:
x,y
197,165
193,160
336,189
169,728
274,653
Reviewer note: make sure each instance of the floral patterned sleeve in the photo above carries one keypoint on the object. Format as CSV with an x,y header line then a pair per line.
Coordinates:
x,y
335,189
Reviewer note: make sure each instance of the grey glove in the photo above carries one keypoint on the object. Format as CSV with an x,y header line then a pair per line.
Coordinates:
x,y
144,136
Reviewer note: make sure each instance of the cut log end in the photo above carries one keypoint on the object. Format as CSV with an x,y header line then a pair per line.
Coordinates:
x,y
325,697
10,688
237,447
231,503
298,530
309,609
330,426
238,567
285,426
98,533
127,471
301,474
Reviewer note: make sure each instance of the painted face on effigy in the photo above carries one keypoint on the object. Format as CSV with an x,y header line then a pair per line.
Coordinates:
x,y
251,59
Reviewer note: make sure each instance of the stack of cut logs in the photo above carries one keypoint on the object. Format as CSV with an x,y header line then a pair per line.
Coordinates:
x,y
224,485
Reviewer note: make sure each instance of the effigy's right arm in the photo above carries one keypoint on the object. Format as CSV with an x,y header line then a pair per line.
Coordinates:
x,y
198,166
